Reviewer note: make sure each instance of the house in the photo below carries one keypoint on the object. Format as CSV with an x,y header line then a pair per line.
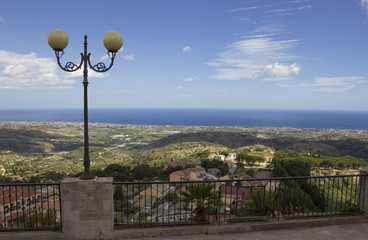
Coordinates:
x,y
214,171
231,164
263,174
213,155
252,182
18,202
195,162
233,193
220,183
196,174
189,174
170,213
175,164
231,157
148,197
221,157
179,176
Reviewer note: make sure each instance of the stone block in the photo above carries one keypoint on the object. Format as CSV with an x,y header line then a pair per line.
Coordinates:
x,y
134,234
184,231
69,224
94,205
71,216
68,193
228,229
107,205
104,180
79,206
67,205
363,201
95,216
103,194
86,216
69,180
87,194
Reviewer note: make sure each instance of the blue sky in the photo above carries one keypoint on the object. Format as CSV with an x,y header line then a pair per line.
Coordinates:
x,y
291,54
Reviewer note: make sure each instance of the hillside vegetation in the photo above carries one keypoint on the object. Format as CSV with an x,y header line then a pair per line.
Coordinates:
x,y
30,150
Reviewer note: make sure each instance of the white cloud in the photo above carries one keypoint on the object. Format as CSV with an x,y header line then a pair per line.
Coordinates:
x,y
27,71
223,90
279,71
184,95
2,20
104,57
271,29
336,84
262,54
191,79
179,87
329,84
187,49
125,57
248,58
288,11
364,4
129,57
254,7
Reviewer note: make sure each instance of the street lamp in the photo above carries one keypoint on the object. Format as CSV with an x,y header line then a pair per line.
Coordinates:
x,y
58,40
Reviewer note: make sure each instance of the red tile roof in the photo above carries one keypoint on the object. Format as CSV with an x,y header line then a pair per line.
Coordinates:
x,y
232,191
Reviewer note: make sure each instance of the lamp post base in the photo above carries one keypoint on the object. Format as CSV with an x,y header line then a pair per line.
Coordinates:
x,y
86,176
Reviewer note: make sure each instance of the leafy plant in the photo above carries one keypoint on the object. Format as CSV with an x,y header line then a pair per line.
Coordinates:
x,y
200,195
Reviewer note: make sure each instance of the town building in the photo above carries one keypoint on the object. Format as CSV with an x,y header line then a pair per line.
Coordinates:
x,y
19,203
189,174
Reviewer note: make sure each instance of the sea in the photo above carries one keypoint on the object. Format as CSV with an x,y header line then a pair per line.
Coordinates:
x,y
199,117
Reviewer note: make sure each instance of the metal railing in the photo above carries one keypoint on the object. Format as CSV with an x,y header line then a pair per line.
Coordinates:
x,y
198,202
28,206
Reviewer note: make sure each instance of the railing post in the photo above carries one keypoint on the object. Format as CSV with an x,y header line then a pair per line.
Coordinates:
x,y
87,208
363,192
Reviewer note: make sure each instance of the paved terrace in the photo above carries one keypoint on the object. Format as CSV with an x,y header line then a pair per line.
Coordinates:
x,y
337,228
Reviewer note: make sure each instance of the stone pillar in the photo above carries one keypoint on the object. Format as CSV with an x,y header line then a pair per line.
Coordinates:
x,y
87,208
363,192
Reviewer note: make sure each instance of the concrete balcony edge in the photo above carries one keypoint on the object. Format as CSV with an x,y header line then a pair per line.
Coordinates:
x,y
229,228
217,229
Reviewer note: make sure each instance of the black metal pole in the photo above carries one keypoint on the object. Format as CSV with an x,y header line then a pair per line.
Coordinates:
x,y
99,67
86,161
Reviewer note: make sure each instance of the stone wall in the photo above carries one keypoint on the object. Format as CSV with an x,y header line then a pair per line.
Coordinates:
x,y
87,208
363,201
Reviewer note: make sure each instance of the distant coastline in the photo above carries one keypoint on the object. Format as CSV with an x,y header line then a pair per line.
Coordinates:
x,y
200,117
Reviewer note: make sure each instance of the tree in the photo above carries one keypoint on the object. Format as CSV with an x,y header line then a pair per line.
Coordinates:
x,y
200,194
46,219
224,152
54,176
292,168
241,157
265,202
118,192
202,155
171,169
5,179
215,163
142,171
289,164
118,172
249,159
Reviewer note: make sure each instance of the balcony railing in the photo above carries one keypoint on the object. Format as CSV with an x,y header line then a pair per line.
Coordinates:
x,y
28,206
198,202
38,206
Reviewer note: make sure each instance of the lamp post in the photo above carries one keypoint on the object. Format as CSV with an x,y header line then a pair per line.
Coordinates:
x,y
58,40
